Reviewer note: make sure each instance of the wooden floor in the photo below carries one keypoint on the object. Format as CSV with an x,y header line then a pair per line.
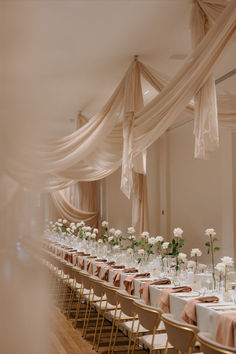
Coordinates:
x,y
64,339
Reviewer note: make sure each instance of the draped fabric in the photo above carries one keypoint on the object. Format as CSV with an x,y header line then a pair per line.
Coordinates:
x,y
206,131
70,212
80,201
140,213
96,150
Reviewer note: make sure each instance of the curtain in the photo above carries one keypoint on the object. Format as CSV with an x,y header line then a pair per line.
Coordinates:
x,y
80,201
96,149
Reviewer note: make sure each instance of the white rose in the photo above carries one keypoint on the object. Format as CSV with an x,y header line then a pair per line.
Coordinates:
x,y
131,230
82,223
93,236
68,229
72,224
210,232
95,231
178,232
118,233
111,238
191,265
59,220
221,267
130,251
112,231
196,252
64,221
145,234
152,240
131,237
202,266
100,241
141,252
105,223
159,239
88,234
182,256
227,261
165,245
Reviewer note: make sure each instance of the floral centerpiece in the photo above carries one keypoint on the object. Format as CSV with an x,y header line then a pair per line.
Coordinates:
x,y
211,249
223,268
196,253
174,247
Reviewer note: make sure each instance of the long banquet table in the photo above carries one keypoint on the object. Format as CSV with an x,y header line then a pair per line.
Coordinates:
x,y
207,314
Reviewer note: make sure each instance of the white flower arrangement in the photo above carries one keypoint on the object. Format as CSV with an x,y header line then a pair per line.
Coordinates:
x,y
110,239
145,234
100,241
93,236
191,265
210,232
211,249
112,231
60,220
196,252
182,256
178,232
131,230
105,224
88,234
64,221
80,224
152,240
72,224
159,239
228,261
221,268
132,238
118,233
95,231
165,245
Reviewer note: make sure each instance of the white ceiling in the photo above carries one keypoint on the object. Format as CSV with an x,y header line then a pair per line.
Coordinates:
x,y
68,55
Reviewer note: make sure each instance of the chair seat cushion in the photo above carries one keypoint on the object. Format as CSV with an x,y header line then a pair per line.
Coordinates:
x,y
159,341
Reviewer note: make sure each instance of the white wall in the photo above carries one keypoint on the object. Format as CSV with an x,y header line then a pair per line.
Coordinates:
x,y
200,192
183,191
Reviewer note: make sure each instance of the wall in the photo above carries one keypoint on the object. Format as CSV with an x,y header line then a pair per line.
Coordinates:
x,y
200,192
183,191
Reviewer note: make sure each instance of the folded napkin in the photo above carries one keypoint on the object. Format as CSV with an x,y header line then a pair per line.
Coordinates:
x,y
116,276
189,313
103,263
225,329
106,273
144,290
163,300
129,281
81,263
